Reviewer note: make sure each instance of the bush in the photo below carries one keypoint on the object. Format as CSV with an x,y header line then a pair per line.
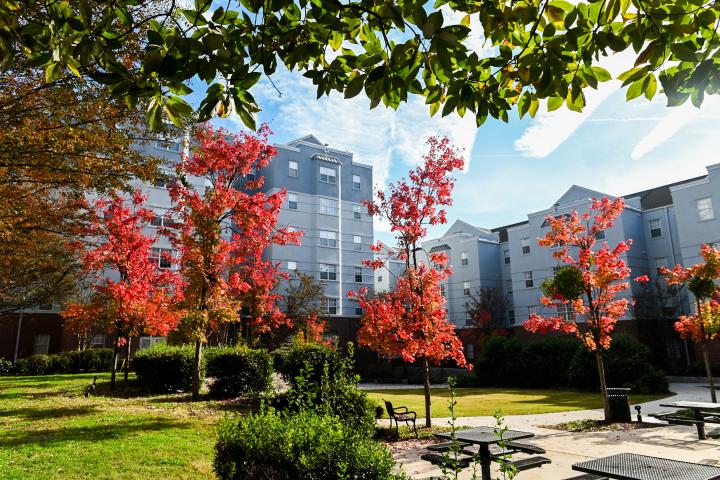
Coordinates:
x,y
463,381
60,363
163,368
6,366
238,371
547,362
290,361
626,362
34,365
653,381
501,363
305,446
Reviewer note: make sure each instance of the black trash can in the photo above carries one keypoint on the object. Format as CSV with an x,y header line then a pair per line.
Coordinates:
x,y
619,405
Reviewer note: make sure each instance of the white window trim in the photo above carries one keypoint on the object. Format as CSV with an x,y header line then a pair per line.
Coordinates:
x,y
327,174
710,209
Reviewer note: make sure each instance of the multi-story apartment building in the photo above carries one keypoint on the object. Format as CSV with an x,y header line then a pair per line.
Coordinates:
x,y
667,225
325,188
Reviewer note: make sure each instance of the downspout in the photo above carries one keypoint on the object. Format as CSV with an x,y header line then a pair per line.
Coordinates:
x,y
17,339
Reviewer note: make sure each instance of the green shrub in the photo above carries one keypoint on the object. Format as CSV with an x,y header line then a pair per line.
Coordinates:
x,y
625,363
547,362
501,363
238,371
163,368
653,381
304,446
34,365
463,381
290,361
59,363
6,366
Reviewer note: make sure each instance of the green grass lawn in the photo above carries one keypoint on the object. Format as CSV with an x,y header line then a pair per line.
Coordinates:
x,y
474,402
49,430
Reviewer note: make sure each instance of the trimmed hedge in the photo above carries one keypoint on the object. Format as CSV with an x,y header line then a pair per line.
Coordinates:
x,y
304,446
92,360
564,361
238,371
163,368
290,361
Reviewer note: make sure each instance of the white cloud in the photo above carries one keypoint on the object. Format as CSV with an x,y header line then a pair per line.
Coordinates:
x,y
549,130
376,137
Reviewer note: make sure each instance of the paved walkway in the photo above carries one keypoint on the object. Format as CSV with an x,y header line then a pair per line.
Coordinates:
x,y
565,448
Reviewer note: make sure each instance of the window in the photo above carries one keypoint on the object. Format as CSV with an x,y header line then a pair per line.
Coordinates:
x,y
556,270
655,228
660,263
508,285
162,257
443,291
41,344
292,201
168,145
358,275
600,235
511,316
506,255
97,340
358,311
163,221
565,311
464,259
147,342
357,213
328,272
705,209
357,243
292,267
469,350
525,244
251,176
466,289
293,169
328,175
331,306
468,318
328,239
356,182
328,206
163,179
528,279
380,278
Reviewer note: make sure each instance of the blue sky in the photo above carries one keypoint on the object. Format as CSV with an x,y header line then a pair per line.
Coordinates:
x,y
511,169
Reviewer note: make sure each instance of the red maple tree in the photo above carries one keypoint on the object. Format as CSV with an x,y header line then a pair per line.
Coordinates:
x,y
704,325
584,293
132,296
411,321
224,226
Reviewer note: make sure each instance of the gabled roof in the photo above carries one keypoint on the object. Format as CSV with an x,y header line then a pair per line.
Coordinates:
x,y
440,248
576,193
659,196
307,139
460,226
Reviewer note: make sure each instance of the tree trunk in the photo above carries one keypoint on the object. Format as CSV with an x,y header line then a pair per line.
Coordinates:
x,y
116,355
426,381
708,371
196,371
127,360
603,386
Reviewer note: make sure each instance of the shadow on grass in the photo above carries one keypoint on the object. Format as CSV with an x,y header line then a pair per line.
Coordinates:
x,y
90,433
29,413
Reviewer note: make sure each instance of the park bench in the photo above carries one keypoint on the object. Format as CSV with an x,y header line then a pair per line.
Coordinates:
x,y
587,476
673,418
401,414
447,446
526,463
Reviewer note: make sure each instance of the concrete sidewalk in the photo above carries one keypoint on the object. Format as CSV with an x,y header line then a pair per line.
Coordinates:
x,y
566,448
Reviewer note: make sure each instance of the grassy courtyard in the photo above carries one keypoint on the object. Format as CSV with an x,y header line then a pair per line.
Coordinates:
x,y
476,402
49,430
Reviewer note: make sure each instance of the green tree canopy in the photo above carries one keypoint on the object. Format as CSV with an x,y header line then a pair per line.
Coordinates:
x,y
533,49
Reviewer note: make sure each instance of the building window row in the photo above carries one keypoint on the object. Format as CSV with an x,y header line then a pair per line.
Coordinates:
x,y
528,276
328,206
705,209
161,257
655,228
525,245
464,259
328,175
328,239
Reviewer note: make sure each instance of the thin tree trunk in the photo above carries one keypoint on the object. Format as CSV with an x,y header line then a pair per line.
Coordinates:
x,y
196,371
708,372
603,386
127,360
116,355
426,375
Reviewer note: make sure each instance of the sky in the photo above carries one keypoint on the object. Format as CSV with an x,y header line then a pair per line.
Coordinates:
x,y
615,147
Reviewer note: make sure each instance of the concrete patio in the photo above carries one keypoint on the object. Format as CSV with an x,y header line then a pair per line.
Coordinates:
x,y
566,448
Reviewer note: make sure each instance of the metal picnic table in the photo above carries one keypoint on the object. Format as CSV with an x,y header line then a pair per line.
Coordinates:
x,y
484,437
697,408
630,466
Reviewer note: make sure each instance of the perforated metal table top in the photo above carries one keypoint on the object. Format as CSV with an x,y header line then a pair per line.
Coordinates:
x,y
485,435
630,466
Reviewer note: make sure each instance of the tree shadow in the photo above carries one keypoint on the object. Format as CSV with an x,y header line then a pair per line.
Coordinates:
x,y
91,433
45,413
